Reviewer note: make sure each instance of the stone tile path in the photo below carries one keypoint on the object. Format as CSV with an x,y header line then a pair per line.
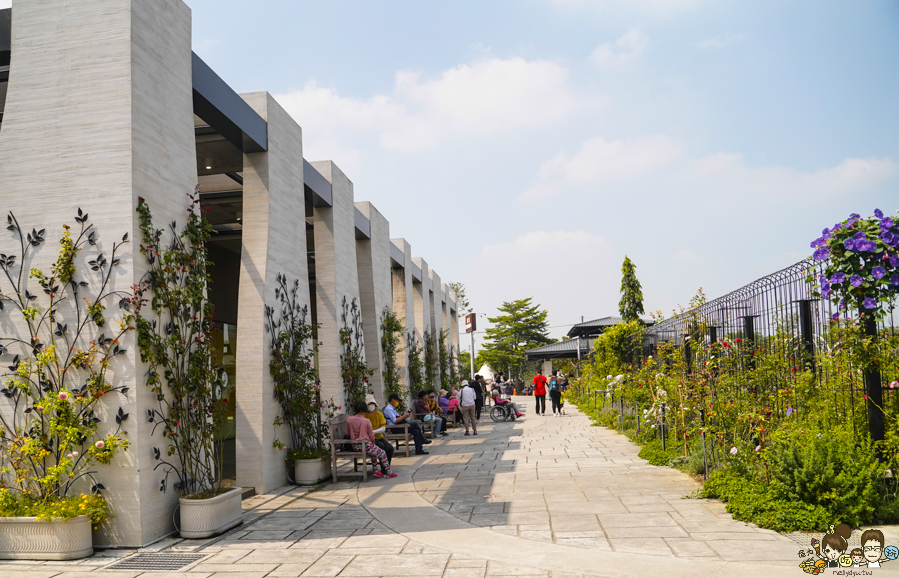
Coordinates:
x,y
544,496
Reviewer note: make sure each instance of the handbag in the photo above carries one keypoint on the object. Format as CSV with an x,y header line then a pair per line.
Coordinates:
x,y
427,418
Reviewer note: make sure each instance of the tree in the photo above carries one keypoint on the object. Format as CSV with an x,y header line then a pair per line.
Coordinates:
x,y
631,304
462,304
520,326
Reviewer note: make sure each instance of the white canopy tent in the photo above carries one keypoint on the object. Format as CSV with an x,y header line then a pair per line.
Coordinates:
x,y
488,373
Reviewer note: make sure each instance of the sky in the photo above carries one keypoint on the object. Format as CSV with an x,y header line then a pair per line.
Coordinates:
x,y
524,147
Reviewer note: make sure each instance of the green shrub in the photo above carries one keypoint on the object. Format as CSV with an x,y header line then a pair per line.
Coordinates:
x,y
827,468
15,505
655,455
752,501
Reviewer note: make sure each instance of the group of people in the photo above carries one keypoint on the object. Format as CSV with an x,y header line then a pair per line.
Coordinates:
x,y
370,423
556,385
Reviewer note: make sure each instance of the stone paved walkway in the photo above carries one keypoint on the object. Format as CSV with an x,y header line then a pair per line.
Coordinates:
x,y
544,496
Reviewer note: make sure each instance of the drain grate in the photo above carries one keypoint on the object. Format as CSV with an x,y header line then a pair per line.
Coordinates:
x,y
805,538
155,561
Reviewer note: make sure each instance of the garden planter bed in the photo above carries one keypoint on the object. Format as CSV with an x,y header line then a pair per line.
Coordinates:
x,y
211,516
30,539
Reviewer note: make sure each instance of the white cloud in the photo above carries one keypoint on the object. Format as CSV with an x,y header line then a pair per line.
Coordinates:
x,y
720,41
547,259
626,49
489,96
601,160
726,176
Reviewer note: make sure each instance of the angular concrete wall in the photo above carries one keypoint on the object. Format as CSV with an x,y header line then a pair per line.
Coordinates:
x,y
99,112
375,289
437,302
421,298
273,242
404,304
336,277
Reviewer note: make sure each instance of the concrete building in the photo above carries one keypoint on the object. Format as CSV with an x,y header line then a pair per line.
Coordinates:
x,y
102,102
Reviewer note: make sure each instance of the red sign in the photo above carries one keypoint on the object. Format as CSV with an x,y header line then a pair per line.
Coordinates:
x,y
471,323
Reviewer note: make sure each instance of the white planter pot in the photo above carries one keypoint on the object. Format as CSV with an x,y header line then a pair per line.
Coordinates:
x,y
28,539
312,471
212,516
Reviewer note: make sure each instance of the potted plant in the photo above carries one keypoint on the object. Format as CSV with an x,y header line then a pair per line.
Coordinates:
x,y
53,431
296,386
174,329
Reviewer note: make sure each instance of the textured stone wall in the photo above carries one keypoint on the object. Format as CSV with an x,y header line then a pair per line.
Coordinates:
x,y
274,242
375,289
403,304
99,112
336,277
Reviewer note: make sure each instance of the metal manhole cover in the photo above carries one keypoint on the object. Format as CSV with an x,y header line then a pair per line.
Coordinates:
x,y
156,562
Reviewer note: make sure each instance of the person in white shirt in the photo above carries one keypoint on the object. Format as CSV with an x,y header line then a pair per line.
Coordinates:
x,y
467,397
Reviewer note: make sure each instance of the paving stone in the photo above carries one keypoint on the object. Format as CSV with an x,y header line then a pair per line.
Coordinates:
x,y
416,565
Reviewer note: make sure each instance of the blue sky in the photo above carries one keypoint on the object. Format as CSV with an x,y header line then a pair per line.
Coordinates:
x,y
524,147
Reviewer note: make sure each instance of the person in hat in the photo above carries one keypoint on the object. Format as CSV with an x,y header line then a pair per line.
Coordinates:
x,y
359,428
378,424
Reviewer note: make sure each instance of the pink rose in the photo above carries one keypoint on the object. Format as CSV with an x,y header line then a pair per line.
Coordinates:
x,y
100,444
63,396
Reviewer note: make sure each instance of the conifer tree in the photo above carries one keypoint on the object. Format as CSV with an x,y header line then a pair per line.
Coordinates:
x,y
631,304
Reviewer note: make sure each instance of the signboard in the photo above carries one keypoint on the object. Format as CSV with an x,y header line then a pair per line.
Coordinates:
x,y
471,323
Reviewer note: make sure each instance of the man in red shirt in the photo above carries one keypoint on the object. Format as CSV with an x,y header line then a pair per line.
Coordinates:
x,y
540,392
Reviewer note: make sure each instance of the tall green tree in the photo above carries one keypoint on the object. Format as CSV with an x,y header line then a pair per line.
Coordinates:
x,y
520,325
631,304
464,307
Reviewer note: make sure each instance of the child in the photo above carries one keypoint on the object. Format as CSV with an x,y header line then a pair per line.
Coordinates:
x,y
858,555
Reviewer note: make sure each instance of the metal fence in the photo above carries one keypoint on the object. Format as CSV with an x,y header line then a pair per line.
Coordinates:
x,y
780,313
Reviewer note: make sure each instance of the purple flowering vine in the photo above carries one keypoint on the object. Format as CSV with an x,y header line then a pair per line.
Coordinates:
x,y
864,251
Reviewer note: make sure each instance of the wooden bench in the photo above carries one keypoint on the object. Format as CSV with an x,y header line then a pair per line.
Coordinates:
x,y
340,448
398,437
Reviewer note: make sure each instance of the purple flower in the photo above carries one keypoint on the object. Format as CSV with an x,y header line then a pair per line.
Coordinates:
x,y
826,293
821,253
879,272
860,235
836,227
817,242
835,316
849,244
878,213
789,411
842,304
885,223
895,279
869,303
867,246
855,281
838,278
825,286
894,260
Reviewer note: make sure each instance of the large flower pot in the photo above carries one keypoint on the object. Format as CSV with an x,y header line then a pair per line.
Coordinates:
x,y
211,516
28,539
309,472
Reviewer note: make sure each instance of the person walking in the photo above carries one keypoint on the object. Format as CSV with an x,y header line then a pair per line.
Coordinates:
x,y
555,393
540,392
467,399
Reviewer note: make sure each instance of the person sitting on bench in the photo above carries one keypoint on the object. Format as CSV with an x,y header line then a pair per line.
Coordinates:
x,y
392,417
378,423
359,428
